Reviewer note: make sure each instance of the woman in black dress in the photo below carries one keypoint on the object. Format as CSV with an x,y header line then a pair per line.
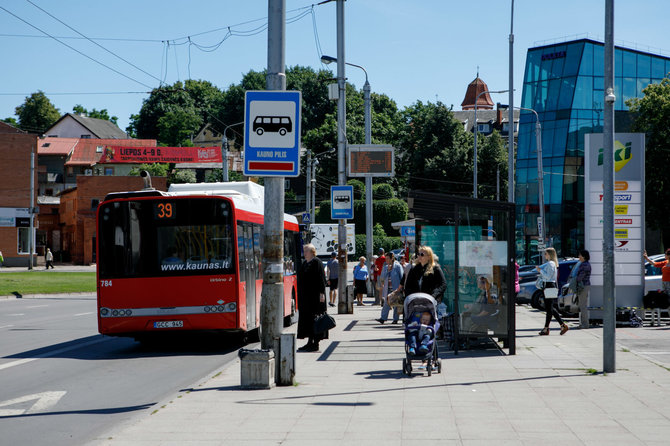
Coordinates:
x,y
311,298
426,276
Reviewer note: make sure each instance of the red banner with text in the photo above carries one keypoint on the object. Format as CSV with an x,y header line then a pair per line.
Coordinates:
x,y
122,154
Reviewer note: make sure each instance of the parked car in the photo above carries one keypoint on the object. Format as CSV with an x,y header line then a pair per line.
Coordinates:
x,y
652,275
567,300
529,293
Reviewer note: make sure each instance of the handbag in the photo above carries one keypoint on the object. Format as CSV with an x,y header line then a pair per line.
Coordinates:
x,y
539,283
396,300
323,322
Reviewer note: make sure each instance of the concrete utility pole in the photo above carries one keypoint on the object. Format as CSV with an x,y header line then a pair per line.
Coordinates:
x,y
368,179
510,133
308,193
31,248
341,165
609,303
272,296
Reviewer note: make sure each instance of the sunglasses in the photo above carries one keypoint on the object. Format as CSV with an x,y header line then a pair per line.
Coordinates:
x,y
421,254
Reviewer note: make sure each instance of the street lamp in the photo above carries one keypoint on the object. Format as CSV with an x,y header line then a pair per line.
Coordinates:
x,y
224,150
474,193
310,171
368,140
540,173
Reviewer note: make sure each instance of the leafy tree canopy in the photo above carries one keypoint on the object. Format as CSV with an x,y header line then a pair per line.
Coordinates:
x,y
98,114
652,116
37,113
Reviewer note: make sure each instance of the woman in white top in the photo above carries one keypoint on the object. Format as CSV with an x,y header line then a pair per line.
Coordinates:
x,y
549,273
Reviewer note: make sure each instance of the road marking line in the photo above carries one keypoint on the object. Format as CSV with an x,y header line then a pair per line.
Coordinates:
x,y
17,314
49,354
6,326
45,400
84,314
37,306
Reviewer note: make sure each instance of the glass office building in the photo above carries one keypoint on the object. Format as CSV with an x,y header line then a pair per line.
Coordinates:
x,y
563,83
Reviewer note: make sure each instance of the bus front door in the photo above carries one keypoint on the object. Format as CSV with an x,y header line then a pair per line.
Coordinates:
x,y
250,276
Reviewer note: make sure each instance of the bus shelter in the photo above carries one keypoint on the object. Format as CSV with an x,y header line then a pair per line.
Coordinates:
x,y
474,242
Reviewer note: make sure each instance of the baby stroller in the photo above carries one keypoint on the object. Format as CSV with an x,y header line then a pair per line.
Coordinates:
x,y
414,307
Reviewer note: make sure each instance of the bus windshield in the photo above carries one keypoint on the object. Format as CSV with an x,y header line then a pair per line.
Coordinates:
x,y
165,237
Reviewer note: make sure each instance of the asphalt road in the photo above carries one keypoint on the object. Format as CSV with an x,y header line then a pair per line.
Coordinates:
x,y
61,383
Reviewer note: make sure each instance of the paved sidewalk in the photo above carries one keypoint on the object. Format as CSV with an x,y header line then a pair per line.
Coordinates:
x,y
353,393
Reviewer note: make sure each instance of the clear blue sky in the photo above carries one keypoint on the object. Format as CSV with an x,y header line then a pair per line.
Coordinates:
x,y
413,50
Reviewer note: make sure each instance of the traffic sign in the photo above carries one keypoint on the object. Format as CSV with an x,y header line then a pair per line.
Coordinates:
x,y
306,218
342,202
272,133
407,231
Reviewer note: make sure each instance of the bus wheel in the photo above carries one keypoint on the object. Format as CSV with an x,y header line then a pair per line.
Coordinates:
x,y
259,131
282,131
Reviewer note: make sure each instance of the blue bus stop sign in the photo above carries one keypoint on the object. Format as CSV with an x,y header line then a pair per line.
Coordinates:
x,y
341,202
272,133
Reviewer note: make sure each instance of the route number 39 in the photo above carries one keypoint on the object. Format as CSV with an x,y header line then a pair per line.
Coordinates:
x,y
164,211
105,283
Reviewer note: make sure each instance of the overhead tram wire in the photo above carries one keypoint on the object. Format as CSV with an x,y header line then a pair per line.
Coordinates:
x,y
74,49
94,43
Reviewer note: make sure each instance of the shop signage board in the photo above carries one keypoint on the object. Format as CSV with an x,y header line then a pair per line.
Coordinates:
x,y
628,216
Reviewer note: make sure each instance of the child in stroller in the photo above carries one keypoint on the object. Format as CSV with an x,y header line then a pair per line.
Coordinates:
x,y
421,324
423,330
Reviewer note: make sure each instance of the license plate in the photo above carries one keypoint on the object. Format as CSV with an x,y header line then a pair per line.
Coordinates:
x,y
168,324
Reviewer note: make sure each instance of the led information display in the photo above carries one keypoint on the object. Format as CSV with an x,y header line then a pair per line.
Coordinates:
x,y
375,160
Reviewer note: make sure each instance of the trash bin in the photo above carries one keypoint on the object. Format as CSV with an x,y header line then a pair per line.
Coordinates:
x,y
257,368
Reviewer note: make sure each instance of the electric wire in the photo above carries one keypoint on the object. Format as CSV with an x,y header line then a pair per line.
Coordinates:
x,y
74,49
94,43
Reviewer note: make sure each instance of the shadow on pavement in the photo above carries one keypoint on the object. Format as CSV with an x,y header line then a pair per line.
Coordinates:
x,y
107,411
99,347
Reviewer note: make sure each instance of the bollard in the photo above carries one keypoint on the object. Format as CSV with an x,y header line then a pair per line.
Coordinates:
x,y
350,299
257,368
285,354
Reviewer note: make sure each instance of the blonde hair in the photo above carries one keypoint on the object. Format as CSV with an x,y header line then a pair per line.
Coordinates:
x,y
431,259
310,247
552,255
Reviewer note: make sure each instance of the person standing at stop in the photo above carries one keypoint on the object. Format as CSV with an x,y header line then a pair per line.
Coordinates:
x,y
333,276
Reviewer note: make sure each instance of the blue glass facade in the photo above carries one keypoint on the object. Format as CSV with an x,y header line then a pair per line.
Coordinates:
x,y
563,83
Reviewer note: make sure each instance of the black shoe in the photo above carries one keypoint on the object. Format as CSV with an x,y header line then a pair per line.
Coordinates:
x,y
331,304
395,322
312,348
306,347
380,320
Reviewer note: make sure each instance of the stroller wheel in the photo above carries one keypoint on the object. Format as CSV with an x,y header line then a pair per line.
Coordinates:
x,y
429,367
404,366
439,366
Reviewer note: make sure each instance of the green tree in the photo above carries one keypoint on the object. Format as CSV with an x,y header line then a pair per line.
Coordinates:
x,y
491,159
216,176
37,113
177,127
154,169
11,121
652,113
173,114
183,176
434,151
382,191
98,114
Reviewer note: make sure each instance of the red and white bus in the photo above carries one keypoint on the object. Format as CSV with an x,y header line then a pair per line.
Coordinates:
x,y
187,259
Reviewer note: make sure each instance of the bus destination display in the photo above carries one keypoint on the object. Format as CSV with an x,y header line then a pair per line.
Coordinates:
x,y
164,211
